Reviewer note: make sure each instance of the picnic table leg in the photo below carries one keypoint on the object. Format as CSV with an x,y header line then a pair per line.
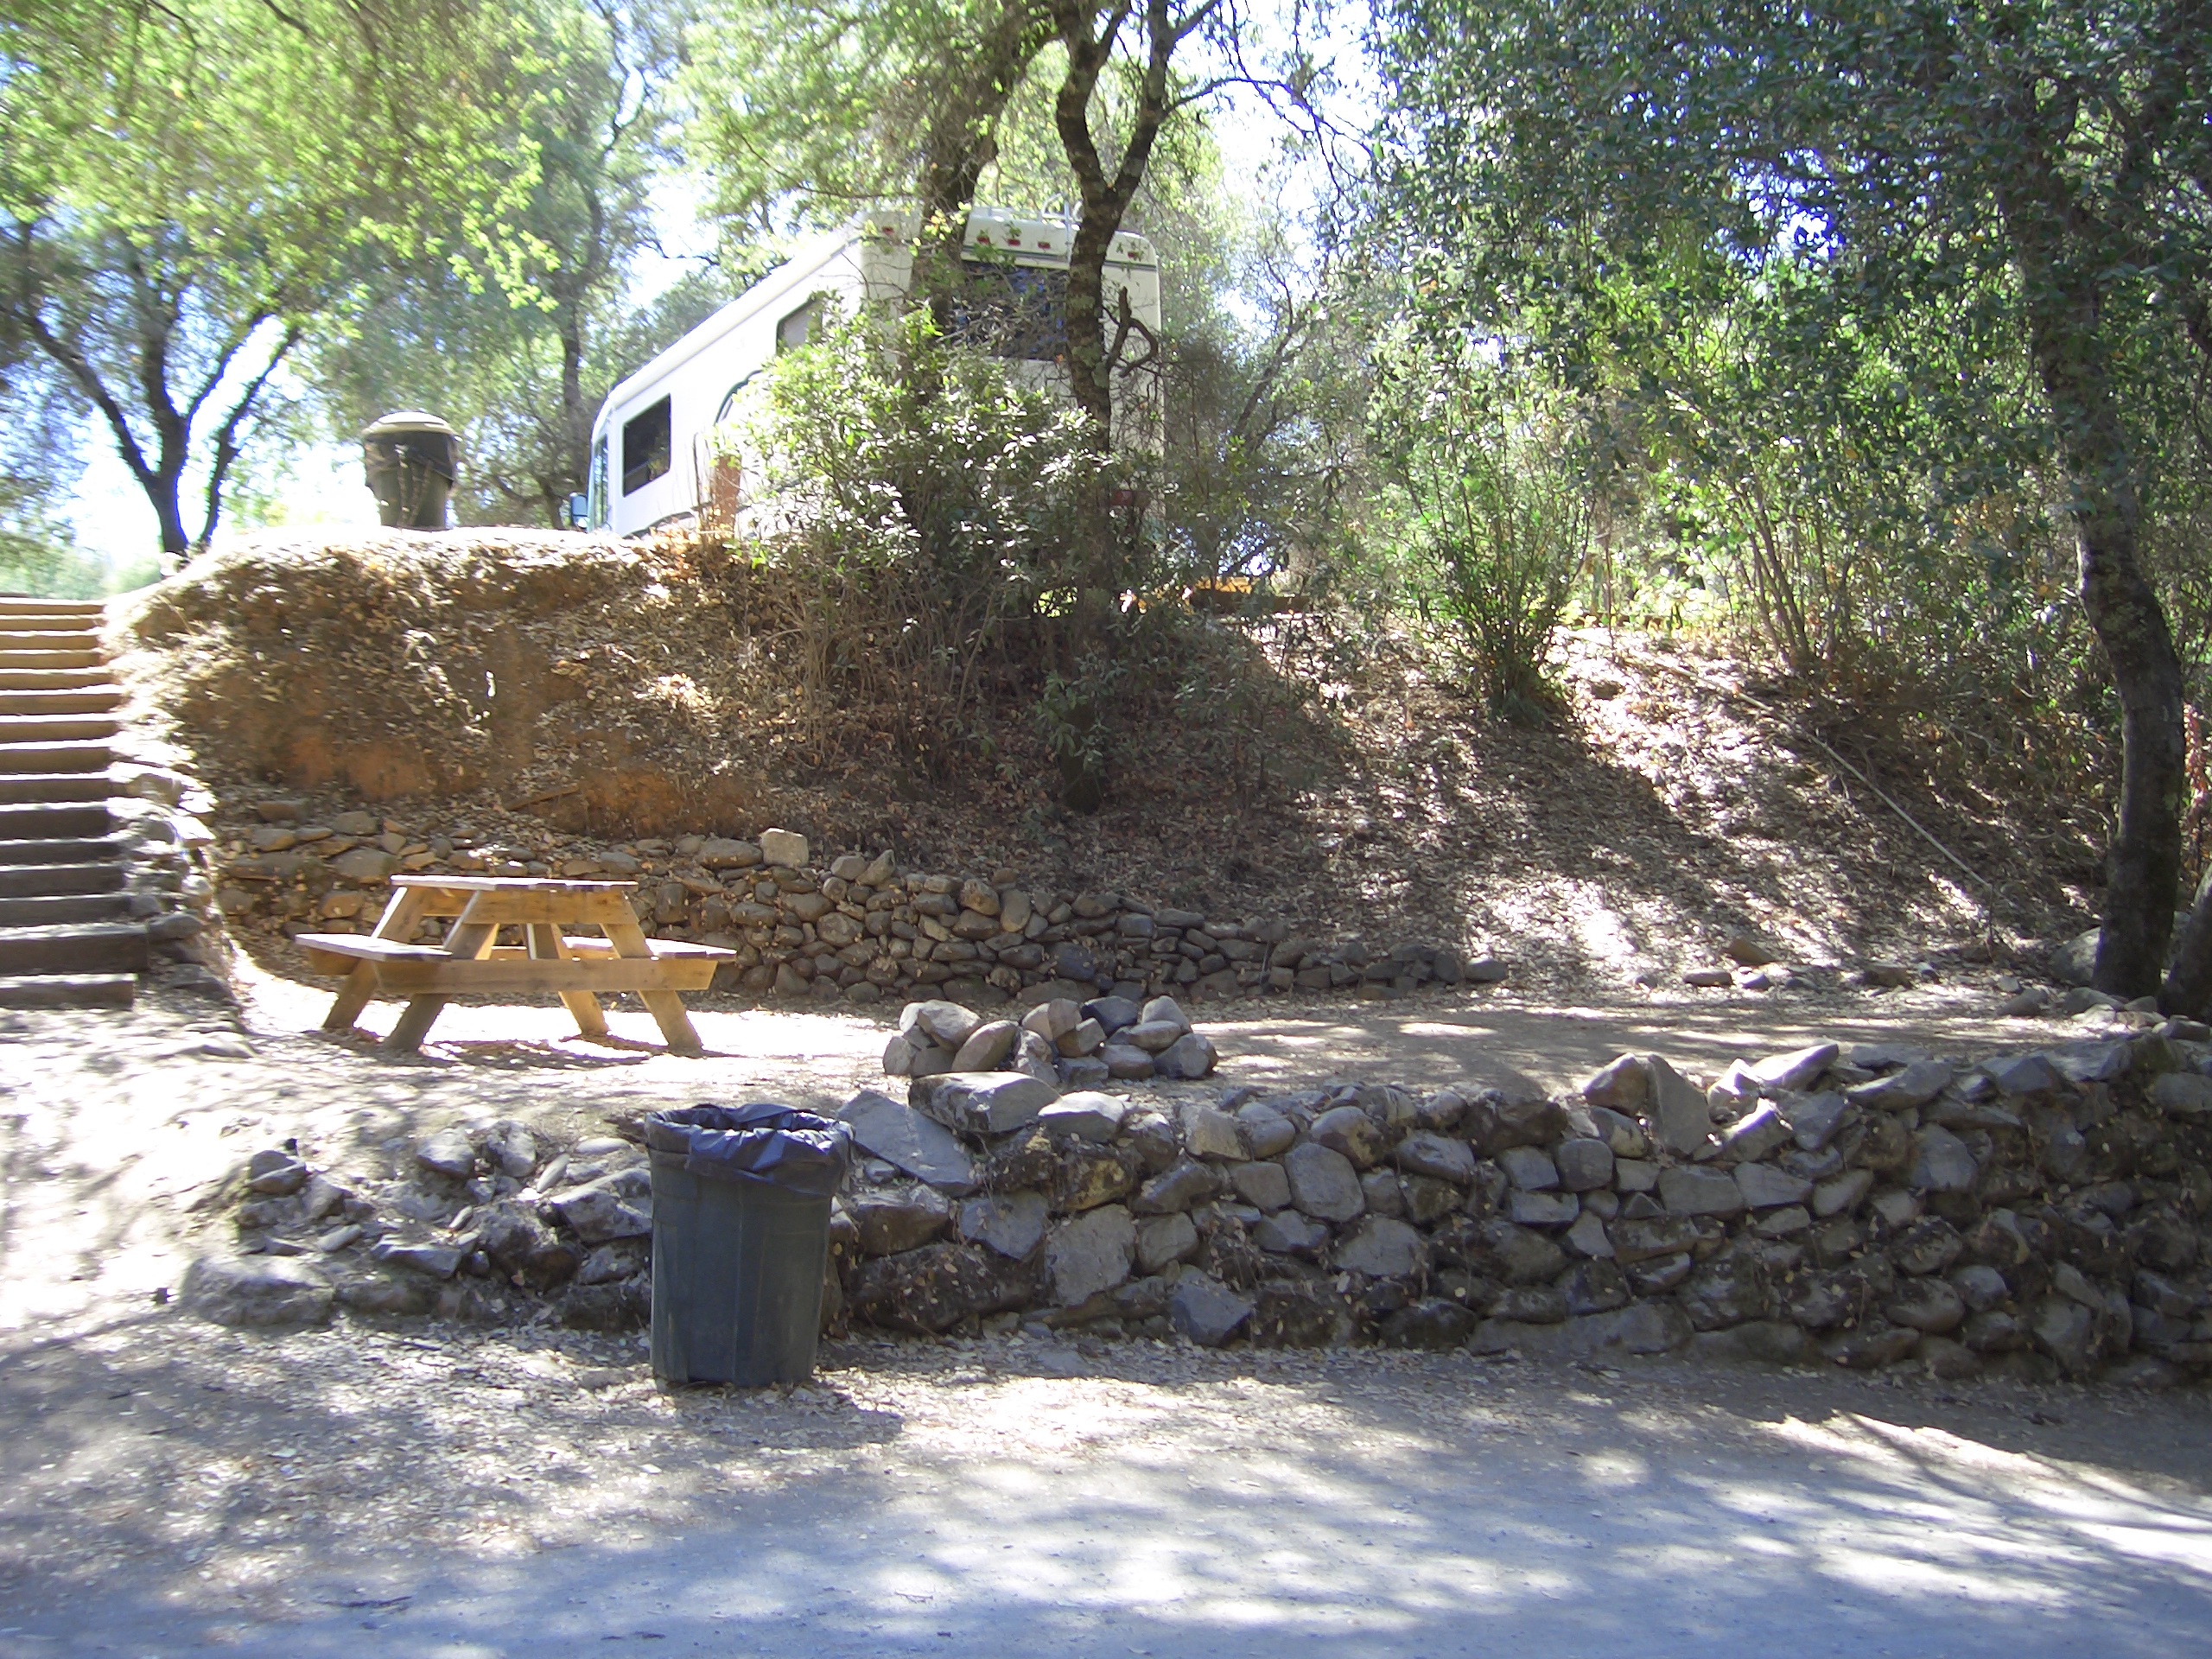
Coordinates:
x,y
466,940
401,913
666,1006
547,944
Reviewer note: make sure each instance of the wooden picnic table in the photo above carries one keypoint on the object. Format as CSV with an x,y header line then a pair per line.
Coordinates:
x,y
471,961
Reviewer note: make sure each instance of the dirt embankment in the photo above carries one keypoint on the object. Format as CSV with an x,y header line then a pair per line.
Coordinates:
x,y
575,695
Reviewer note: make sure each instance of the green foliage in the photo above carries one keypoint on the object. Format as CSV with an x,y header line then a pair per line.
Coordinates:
x,y
517,341
911,510
1496,522
188,189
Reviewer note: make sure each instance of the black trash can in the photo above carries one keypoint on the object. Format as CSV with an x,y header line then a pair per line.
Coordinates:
x,y
411,459
740,1240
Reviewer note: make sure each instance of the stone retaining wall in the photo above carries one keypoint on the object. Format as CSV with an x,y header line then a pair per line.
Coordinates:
x,y
2043,1216
857,929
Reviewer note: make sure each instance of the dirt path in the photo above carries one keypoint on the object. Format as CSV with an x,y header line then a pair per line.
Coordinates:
x,y
167,1486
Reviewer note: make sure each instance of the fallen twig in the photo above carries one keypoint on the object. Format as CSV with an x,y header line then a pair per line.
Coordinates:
x,y
1889,802
541,797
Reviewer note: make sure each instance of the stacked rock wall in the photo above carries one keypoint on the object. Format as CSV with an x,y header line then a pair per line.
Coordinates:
x,y
2040,1216
2044,1215
857,929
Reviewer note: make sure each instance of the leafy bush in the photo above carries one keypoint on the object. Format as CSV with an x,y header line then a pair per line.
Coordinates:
x,y
1495,531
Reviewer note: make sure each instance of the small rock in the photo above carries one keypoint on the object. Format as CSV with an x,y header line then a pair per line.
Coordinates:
x,y
1165,1240
1164,1010
1681,1117
1263,1185
986,1046
1289,1233
719,853
946,1024
598,1212
1177,1188
1699,1193
1755,1134
1424,1153
1209,1133
1383,1249
783,850
1764,1187
1190,1057
1794,1072
1815,1120
1623,1083
1708,979
1587,1237
275,1174
1349,1131
1916,1085
436,1261
1089,1254
1085,1114
1014,1225
1941,1163
1206,1311
1126,1063
448,1153
1323,1182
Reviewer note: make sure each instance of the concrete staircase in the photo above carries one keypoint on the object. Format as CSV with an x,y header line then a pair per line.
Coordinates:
x,y
67,936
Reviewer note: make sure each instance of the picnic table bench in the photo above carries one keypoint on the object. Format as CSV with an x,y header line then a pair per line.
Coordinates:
x,y
471,961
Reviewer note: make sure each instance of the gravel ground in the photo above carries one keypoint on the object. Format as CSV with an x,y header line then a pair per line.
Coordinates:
x,y
169,1487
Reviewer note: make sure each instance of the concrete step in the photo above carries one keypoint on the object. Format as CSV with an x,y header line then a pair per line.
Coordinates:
x,y
21,758
71,849
56,728
69,991
88,699
74,947
52,821
37,788
57,679
39,880
45,657
52,909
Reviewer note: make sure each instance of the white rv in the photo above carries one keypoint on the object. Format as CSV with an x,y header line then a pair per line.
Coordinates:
x,y
653,465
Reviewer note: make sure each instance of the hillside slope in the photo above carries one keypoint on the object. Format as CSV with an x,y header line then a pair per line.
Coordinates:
x,y
573,695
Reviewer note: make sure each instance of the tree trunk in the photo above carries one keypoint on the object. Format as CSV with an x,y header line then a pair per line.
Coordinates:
x,y
2058,260
2188,990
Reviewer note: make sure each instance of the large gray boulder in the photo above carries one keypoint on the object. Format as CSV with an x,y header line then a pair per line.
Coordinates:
x,y
900,1135
257,1292
1323,1183
1091,1254
981,1103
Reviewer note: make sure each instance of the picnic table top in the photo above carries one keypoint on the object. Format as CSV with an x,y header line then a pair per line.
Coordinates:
x,y
511,884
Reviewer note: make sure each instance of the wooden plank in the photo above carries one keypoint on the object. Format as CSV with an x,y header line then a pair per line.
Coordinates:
x,y
364,947
466,940
506,975
512,884
401,913
547,946
665,1007
521,909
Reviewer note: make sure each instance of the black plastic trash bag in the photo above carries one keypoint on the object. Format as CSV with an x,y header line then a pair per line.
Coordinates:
x,y
781,1146
740,1240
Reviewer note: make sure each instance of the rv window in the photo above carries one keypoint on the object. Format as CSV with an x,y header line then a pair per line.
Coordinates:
x,y
645,447
598,493
1017,311
729,400
791,332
